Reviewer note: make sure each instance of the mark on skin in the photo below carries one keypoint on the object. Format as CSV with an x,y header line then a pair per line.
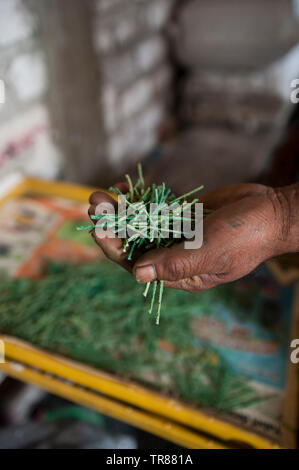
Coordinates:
x,y
234,223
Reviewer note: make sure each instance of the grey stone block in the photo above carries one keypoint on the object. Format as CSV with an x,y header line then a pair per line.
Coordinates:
x,y
254,101
234,34
213,157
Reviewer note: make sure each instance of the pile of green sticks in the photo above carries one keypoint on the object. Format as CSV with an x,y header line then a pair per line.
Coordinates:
x,y
91,313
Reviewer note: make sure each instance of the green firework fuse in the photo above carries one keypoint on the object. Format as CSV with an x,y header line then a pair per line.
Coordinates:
x,y
154,229
73,310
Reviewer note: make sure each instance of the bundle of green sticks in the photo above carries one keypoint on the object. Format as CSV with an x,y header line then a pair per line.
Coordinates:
x,y
156,230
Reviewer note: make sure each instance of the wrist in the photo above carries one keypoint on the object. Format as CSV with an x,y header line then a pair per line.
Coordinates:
x,y
286,215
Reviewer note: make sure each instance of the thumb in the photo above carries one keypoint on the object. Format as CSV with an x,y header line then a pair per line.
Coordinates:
x,y
169,264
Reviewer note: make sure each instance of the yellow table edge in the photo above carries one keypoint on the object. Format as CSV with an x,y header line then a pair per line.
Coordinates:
x,y
138,418
100,381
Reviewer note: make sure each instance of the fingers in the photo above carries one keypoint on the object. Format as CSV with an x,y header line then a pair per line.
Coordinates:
x,y
228,194
169,264
123,187
177,269
196,269
193,284
107,241
113,250
96,197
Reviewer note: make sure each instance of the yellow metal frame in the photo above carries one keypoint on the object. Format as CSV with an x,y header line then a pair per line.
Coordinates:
x,y
130,393
136,405
143,420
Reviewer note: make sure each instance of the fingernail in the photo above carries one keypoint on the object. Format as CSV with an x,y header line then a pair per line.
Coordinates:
x,y
146,273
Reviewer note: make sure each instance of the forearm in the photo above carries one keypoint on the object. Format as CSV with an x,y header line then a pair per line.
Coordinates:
x,y
287,211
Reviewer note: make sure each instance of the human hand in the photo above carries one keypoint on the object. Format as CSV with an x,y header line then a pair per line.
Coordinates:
x,y
249,224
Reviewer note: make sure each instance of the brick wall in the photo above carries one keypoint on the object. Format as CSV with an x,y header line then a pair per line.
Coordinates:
x,y
132,56
110,80
25,135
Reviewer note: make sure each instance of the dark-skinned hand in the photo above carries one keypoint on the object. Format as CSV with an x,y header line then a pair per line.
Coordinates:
x,y
250,224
